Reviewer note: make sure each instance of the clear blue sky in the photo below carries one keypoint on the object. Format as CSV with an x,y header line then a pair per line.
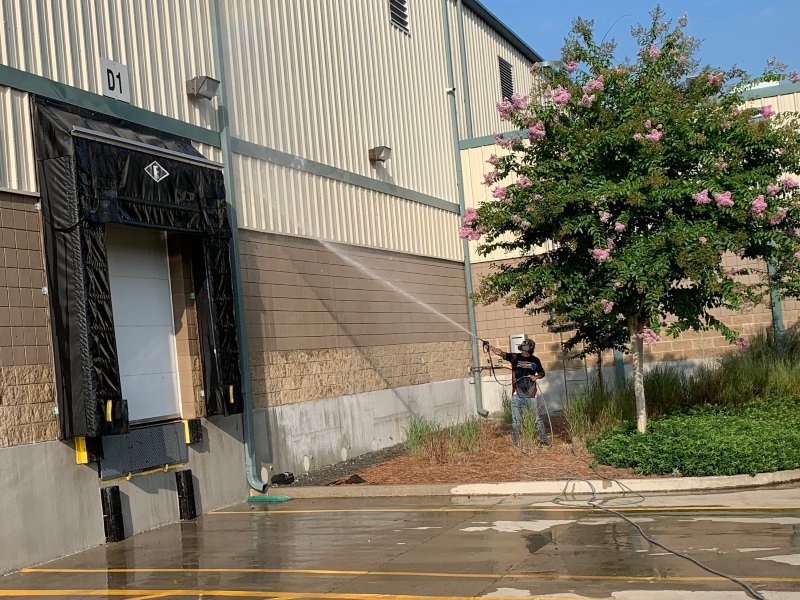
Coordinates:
x,y
733,32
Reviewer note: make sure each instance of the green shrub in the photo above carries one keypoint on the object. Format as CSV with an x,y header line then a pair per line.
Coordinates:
x,y
763,436
506,412
442,444
419,434
762,369
465,437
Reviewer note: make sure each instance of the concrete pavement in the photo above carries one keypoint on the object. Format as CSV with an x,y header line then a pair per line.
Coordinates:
x,y
455,547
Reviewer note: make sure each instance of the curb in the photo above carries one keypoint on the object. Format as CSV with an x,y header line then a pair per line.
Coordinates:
x,y
663,485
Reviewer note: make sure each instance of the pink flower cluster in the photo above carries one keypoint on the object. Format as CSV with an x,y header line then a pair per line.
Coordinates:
x,y
742,342
524,182
490,177
715,79
505,109
468,233
703,240
759,205
537,132
519,102
701,198
506,143
468,230
600,254
789,183
561,96
653,135
499,192
779,216
649,336
797,255
587,100
606,305
605,217
723,199
571,66
619,227
493,160
794,77
654,51
595,84
773,189
766,111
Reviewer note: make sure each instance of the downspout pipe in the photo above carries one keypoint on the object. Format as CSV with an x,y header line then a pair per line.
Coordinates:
x,y
253,477
451,92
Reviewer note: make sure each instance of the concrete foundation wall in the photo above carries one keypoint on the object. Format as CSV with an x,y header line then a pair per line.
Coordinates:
x,y
51,506
308,435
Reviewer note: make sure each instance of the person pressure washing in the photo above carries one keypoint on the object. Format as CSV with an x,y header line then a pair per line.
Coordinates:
x,y
526,370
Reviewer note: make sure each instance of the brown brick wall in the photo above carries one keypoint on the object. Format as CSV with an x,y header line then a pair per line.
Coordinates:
x,y
27,390
320,327
497,321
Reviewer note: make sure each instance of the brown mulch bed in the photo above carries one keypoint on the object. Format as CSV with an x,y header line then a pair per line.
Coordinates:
x,y
497,461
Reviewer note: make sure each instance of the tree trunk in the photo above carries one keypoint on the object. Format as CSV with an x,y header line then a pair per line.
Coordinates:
x,y
637,345
600,370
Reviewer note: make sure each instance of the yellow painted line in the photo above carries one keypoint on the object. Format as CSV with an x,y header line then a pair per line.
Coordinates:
x,y
241,594
151,596
498,509
341,573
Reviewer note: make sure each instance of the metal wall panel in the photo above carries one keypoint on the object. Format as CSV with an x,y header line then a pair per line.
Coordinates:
x,y
329,79
17,164
484,45
163,44
282,200
474,165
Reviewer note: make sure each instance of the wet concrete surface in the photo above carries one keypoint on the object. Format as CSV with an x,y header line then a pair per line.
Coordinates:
x,y
427,548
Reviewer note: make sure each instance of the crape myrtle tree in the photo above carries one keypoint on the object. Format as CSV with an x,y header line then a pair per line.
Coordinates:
x,y
628,183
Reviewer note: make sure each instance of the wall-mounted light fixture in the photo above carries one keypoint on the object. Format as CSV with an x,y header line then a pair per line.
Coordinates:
x,y
202,86
380,154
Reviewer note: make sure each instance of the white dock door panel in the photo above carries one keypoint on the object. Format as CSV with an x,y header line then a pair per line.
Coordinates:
x,y
141,298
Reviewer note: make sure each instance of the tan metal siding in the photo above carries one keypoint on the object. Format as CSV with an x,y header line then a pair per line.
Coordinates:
x,y
483,46
474,165
783,103
329,80
17,165
281,200
162,43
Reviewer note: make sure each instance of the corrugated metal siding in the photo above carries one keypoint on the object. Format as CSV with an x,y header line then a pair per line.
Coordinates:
x,y
162,43
277,199
210,152
17,164
330,80
475,193
483,46
784,103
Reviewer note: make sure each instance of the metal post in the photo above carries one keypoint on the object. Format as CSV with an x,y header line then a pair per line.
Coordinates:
x,y
777,308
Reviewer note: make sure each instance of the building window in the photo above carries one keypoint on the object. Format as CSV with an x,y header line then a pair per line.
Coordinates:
x,y
506,78
398,10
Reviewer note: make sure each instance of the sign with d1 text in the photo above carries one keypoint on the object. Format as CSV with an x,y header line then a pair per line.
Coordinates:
x,y
114,80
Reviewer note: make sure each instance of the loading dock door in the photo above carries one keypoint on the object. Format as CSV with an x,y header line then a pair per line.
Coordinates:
x,y
141,301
